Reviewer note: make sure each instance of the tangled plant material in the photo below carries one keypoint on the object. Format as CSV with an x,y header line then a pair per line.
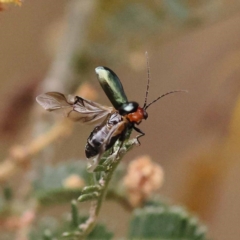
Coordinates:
x,y
142,179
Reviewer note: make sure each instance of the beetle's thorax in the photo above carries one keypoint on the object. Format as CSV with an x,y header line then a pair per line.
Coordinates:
x,y
137,116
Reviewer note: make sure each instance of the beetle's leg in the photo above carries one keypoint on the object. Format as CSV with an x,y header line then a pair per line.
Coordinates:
x,y
140,135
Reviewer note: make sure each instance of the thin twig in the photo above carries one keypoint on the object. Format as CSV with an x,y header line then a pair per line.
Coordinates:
x,y
62,75
21,155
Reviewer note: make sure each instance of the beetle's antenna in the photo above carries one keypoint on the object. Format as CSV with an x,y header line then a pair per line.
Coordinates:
x,y
148,82
163,96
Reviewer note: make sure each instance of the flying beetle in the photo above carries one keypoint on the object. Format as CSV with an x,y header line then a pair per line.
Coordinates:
x,y
115,121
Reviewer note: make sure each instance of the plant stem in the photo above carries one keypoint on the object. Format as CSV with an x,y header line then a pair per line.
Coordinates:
x,y
90,223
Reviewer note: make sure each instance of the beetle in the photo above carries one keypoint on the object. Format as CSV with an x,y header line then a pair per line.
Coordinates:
x,y
116,121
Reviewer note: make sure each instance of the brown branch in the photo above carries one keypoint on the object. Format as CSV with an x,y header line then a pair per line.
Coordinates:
x,y
21,155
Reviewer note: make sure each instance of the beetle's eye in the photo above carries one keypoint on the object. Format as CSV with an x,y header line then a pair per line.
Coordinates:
x,y
128,107
145,115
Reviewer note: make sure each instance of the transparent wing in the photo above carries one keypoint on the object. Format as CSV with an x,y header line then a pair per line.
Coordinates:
x,y
76,108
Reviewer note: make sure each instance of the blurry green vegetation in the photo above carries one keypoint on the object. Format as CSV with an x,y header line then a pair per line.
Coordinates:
x,y
155,219
50,229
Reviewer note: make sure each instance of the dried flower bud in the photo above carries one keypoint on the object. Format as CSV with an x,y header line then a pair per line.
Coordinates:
x,y
143,177
73,181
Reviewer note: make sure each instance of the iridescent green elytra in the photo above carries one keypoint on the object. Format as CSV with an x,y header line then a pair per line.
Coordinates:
x,y
112,86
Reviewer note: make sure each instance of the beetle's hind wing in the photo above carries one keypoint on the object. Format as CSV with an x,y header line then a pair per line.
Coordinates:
x,y
53,101
75,108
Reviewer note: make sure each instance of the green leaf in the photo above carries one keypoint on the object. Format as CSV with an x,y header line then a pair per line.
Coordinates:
x,y
74,214
88,197
91,188
165,223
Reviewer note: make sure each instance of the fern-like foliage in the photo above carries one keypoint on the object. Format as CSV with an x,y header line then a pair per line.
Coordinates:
x,y
50,228
165,223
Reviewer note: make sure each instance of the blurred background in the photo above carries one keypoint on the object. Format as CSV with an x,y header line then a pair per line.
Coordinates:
x,y
194,45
